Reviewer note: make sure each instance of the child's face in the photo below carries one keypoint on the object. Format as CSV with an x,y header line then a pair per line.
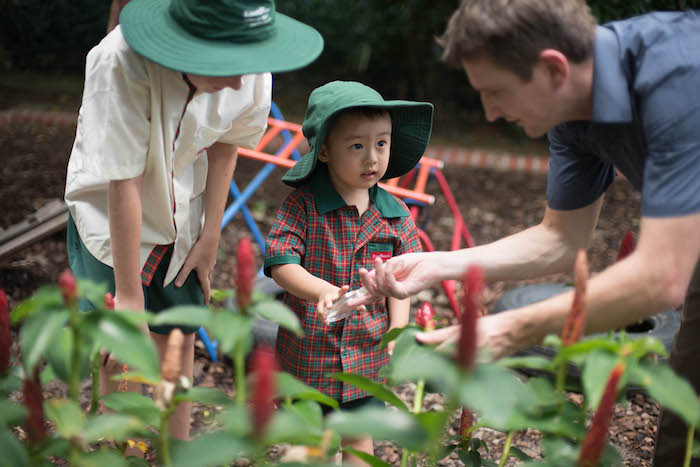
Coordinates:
x,y
216,83
357,151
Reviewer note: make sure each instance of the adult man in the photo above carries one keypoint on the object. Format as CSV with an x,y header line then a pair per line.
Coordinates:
x,y
623,96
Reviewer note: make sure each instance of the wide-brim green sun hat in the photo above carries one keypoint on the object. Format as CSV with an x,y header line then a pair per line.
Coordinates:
x,y
218,37
411,125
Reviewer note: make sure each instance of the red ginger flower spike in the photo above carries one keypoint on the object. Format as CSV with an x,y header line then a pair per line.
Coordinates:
x,y
574,326
264,366
627,246
466,421
33,400
109,302
245,273
594,442
68,286
473,287
425,317
5,338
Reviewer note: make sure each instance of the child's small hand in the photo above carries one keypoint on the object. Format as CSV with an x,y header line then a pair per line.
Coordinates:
x,y
325,300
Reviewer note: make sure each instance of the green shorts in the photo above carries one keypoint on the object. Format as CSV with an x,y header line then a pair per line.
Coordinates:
x,y
357,404
156,297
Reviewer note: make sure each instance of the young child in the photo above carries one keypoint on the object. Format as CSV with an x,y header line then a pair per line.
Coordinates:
x,y
337,221
169,95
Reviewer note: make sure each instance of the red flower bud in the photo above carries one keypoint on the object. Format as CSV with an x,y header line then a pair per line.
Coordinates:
x,y
627,246
5,339
264,366
35,427
69,287
473,287
465,423
172,359
425,317
573,328
123,383
109,302
594,442
245,273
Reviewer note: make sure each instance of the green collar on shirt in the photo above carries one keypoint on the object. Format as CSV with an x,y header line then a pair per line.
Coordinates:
x,y
327,198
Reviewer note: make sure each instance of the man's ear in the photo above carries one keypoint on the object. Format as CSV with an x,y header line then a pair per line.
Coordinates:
x,y
323,153
556,65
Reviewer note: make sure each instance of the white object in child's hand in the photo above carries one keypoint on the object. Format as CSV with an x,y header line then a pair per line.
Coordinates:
x,y
340,309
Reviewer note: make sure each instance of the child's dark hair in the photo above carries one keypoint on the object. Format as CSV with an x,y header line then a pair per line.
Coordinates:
x,y
370,113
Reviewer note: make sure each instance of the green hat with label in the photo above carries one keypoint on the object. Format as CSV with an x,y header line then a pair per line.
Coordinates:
x,y
411,124
218,37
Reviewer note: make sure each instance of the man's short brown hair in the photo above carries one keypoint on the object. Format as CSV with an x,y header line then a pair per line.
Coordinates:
x,y
512,33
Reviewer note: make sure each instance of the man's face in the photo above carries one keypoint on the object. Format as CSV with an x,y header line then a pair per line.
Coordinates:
x,y
505,95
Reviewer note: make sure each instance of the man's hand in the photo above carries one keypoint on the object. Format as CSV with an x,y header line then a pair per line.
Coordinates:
x,y
402,276
201,259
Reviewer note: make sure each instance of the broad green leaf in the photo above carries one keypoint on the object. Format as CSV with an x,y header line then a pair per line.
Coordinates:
x,y
668,389
208,396
67,416
93,292
37,333
420,363
60,355
405,342
236,420
367,458
184,315
500,397
380,424
46,298
210,450
290,387
13,452
278,312
230,329
55,447
13,380
394,334
128,344
586,346
299,423
596,371
219,295
646,345
11,414
518,454
380,391
531,362
434,423
113,427
471,458
132,403
101,458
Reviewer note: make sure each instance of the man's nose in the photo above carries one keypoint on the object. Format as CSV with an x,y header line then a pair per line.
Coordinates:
x,y
492,112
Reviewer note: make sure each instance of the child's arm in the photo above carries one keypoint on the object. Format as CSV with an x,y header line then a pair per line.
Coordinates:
x,y
299,282
125,232
399,309
221,160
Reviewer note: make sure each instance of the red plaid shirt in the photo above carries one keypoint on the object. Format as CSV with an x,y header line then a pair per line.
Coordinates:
x,y
318,230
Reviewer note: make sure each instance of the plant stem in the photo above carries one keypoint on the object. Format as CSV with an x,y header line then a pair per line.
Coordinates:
x,y
689,446
506,448
417,408
74,382
95,382
164,436
239,364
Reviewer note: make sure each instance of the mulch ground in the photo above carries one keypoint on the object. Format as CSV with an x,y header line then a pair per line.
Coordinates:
x,y
493,203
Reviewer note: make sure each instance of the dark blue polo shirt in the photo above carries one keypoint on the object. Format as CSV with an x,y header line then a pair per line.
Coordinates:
x,y
646,119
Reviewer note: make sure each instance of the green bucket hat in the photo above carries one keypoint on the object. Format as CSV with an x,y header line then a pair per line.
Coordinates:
x,y
411,122
218,37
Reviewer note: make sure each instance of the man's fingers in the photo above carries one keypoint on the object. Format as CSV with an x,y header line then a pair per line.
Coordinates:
x,y
379,276
449,333
368,281
205,284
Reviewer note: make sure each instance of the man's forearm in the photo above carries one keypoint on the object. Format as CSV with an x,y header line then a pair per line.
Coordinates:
x,y
125,234
221,160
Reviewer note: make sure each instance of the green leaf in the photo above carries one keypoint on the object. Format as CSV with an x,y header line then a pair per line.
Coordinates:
x,y
13,452
44,299
101,458
132,403
128,344
13,380
367,458
93,292
668,389
531,362
219,295
380,391
290,387
236,420
278,312
646,345
499,396
434,424
210,450
518,454
471,458
208,396
67,416
37,333
113,427
298,423
380,424
230,329
596,371
393,334
420,363
60,356
11,414
184,315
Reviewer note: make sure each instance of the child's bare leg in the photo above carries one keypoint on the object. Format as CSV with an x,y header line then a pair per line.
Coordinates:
x,y
359,444
179,425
